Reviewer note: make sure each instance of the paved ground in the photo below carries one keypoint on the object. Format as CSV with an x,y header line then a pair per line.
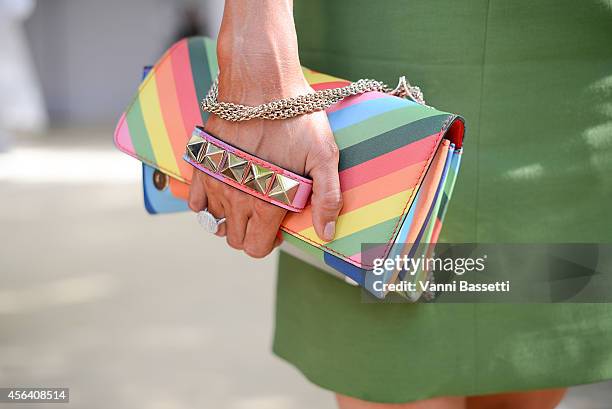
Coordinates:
x,y
100,297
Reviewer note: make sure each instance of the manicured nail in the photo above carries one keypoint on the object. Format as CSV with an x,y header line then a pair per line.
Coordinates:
x,y
329,231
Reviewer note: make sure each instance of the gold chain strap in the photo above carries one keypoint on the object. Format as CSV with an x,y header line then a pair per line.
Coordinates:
x,y
303,104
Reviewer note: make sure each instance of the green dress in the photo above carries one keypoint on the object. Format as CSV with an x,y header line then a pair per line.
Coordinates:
x,y
534,82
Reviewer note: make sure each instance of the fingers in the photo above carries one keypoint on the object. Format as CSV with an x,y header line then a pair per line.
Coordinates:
x,y
251,225
262,229
326,197
236,223
215,200
237,206
215,207
197,192
278,240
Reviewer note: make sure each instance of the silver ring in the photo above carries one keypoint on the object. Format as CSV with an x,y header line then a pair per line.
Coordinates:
x,y
209,222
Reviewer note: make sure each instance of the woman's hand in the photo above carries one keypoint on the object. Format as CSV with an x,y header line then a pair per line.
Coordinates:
x,y
256,68
303,145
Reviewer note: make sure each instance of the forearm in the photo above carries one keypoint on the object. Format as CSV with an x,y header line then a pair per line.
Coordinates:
x,y
258,52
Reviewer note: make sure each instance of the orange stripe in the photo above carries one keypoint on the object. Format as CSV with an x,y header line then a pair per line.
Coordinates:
x,y
179,189
171,112
364,194
428,189
436,232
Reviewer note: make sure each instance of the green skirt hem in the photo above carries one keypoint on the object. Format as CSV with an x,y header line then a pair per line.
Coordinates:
x,y
372,396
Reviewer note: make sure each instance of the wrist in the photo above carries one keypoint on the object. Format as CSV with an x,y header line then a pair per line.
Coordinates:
x,y
253,76
260,86
257,52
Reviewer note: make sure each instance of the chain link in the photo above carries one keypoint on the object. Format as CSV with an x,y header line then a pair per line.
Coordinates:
x,y
303,104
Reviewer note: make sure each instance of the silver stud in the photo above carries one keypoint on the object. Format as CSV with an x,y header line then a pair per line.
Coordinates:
x,y
258,178
213,157
234,167
196,147
283,189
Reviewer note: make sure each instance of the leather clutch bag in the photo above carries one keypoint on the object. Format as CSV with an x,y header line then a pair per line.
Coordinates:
x,y
399,161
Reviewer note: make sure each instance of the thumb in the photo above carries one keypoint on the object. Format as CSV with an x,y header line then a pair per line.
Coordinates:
x,y
326,198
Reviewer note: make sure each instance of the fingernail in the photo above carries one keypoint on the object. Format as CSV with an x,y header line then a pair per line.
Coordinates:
x,y
329,231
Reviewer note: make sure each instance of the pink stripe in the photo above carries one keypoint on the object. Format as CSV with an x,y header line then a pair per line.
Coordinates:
x,y
370,254
185,88
123,139
410,154
172,113
356,99
355,260
331,84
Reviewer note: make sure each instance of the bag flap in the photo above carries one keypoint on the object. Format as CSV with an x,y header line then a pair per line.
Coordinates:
x,y
386,144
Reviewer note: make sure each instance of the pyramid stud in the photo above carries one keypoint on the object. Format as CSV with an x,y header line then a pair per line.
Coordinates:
x,y
283,189
234,167
258,178
213,157
196,147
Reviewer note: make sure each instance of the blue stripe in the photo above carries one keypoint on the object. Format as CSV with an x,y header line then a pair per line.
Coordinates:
x,y
360,112
156,201
354,272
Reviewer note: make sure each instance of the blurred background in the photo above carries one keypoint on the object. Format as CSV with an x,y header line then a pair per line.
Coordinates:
x,y
95,294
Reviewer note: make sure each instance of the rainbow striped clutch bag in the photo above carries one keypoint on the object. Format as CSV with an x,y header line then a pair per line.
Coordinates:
x,y
398,164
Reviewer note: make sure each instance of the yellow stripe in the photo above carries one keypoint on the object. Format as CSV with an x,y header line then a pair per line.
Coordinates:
x,y
364,217
316,77
154,122
148,78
